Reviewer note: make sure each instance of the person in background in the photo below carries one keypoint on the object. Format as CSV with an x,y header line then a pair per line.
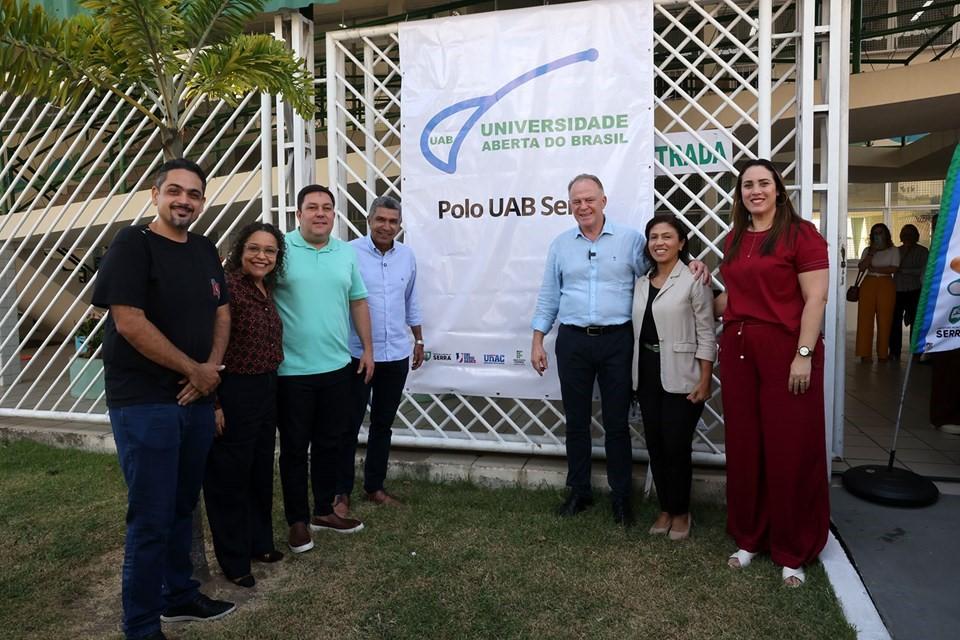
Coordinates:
x,y
907,280
878,295
775,270
674,348
238,485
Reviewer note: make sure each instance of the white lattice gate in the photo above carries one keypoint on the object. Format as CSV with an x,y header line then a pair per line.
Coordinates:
x,y
774,75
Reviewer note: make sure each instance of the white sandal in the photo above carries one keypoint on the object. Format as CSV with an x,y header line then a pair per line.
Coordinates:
x,y
789,573
742,557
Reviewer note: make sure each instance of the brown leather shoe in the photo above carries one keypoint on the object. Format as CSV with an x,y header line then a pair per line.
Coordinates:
x,y
341,505
333,522
381,497
299,539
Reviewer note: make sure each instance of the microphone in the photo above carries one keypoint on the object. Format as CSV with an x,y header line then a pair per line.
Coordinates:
x,y
591,254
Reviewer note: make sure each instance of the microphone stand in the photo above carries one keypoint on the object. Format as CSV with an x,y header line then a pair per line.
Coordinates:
x,y
889,485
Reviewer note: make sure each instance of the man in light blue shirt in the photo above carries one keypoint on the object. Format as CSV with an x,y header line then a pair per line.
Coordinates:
x,y
588,284
389,271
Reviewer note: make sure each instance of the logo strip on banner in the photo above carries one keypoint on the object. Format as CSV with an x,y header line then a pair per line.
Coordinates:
x,y
497,115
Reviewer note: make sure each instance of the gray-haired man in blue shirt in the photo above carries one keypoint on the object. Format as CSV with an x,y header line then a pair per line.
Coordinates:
x,y
389,271
588,286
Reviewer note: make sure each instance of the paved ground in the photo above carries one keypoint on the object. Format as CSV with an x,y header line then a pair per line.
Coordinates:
x,y
907,560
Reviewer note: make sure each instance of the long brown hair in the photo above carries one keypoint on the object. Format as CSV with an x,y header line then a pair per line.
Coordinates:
x,y
785,217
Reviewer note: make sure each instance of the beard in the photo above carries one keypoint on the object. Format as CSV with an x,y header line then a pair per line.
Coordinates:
x,y
181,218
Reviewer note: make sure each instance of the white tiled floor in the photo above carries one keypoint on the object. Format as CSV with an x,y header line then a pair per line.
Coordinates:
x,y
872,396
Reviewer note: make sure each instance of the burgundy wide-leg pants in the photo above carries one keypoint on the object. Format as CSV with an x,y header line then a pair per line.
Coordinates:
x,y
777,485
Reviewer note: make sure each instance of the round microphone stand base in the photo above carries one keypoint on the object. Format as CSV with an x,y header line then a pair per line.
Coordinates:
x,y
890,486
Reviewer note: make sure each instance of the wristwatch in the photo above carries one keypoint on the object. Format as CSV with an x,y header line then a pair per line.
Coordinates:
x,y
805,352
420,342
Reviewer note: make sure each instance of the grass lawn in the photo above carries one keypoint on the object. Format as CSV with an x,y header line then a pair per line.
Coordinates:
x,y
457,561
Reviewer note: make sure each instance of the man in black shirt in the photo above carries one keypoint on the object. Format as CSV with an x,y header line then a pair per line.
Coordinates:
x,y
163,345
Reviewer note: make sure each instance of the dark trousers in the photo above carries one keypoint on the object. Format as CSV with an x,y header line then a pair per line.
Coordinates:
x,y
162,450
386,389
314,413
944,399
238,485
669,420
778,495
904,313
606,359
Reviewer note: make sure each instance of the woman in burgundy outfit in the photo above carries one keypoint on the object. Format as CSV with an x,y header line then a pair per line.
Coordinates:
x,y
238,486
771,367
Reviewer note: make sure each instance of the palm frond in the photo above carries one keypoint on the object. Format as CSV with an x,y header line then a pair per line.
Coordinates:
x,y
144,33
51,59
252,63
208,22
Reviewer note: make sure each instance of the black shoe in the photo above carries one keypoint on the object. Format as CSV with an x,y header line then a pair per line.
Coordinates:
x,y
247,581
269,557
574,504
622,512
156,635
203,608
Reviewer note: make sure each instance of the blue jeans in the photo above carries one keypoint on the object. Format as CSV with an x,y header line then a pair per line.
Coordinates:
x,y
162,450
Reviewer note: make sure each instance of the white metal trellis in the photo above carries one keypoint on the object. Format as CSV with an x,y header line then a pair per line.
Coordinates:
x,y
69,183
750,68
772,74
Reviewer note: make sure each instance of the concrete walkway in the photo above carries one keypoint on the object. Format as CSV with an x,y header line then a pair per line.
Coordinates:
x,y
491,470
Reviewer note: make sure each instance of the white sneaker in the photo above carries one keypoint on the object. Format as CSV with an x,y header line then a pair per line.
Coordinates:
x,y
952,429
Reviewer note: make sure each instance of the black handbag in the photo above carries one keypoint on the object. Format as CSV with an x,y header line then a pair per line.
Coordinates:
x,y
853,291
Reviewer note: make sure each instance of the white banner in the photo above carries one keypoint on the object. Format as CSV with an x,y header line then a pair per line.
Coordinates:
x,y
938,313
499,112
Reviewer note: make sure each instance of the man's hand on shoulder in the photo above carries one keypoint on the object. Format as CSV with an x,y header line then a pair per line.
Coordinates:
x,y
700,271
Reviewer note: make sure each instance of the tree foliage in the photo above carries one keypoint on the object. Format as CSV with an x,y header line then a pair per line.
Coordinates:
x,y
175,53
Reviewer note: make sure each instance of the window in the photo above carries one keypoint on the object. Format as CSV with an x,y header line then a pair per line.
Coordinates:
x,y
895,204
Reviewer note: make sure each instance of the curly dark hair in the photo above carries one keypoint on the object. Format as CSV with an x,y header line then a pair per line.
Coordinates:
x,y
234,258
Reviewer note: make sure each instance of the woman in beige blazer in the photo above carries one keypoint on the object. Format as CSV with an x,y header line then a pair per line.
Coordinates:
x,y
672,365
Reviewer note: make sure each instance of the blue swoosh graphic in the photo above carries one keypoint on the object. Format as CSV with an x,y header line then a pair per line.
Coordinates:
x,y
483,103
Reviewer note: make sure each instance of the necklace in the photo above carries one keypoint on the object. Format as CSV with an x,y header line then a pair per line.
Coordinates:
x,y
753,243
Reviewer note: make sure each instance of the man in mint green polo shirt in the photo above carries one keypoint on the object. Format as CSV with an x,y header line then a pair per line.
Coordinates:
x,y
318,294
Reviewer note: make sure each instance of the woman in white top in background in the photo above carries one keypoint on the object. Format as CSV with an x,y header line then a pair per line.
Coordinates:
x,y
878,294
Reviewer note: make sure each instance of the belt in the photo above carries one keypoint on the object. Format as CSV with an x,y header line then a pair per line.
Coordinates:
x,y
599,330
651,346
